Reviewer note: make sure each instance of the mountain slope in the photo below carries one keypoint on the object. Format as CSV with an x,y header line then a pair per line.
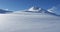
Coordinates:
x,y
4,11
36,10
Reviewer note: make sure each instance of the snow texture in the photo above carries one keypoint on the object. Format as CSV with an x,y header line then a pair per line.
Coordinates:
x,y
29,23
19,21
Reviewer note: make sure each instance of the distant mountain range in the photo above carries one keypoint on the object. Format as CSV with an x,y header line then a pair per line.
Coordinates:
x,y
31,10
40,10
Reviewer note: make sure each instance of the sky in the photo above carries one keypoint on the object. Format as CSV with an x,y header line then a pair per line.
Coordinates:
x,y
25,4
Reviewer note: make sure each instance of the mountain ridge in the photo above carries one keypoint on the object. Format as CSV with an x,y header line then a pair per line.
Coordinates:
x,y
40,10
4,11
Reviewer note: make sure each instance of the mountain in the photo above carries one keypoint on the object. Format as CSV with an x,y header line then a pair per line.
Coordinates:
x,y
33,10
40,10
4,11
36,10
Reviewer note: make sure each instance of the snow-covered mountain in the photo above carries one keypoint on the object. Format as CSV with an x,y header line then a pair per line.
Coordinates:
x,y
2,11
36,10
33,10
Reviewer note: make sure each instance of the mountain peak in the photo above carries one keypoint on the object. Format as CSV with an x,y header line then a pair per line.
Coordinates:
x,y
36,9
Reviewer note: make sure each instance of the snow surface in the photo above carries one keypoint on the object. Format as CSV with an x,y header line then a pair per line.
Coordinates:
x,y
34,9
29,22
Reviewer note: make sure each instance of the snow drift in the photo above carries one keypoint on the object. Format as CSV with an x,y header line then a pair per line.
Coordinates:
x,y
29,21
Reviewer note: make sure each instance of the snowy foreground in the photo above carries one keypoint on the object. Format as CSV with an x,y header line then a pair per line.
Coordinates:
x,y
29,23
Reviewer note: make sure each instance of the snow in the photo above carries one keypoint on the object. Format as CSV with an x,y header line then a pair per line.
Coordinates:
x,y
18,22
22,21
34,9
55,9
